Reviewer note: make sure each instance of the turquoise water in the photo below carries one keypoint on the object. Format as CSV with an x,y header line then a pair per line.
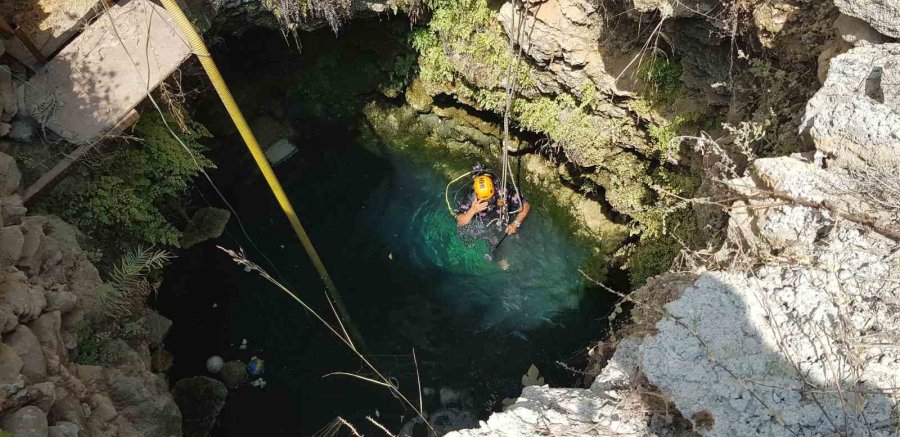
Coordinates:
x,y
409,281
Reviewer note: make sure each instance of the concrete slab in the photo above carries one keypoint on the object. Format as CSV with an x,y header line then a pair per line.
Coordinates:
x,y
93,83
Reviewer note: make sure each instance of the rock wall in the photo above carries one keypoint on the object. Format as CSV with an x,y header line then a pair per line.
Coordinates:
x,y
47,297
790,327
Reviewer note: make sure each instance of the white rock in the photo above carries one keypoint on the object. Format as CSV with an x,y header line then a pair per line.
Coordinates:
x,y
215,364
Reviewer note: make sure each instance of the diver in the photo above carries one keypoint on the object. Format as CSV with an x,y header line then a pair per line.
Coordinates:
x,y
484,204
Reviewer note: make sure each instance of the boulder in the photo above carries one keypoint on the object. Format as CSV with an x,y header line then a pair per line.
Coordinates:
x,y
200,399
161,360
33,231
10,177
11,243
857,32
9,102
883,15
25,301
142,398
11,379
418,98
23,129
63,429
46,328
61,301
157,327
12,209
206,224
234,374
854,116
28,348
28,421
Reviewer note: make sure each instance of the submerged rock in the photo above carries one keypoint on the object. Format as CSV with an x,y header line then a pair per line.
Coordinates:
x,y
214,364
206,224
234,374
200,399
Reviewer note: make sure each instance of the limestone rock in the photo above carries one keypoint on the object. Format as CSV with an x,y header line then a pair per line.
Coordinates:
x,y
855,115
883,15
33,231
857,32
28,347
142,398
28,421
234,374
11,379
675,8
206,224
157,328
11,244
24,129
200,399
9,104
25,301
541,410
47,330
9,174
161,360
418,98
63,429
12,209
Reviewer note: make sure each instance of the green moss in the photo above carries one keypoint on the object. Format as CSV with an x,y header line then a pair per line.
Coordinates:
x,y
662,77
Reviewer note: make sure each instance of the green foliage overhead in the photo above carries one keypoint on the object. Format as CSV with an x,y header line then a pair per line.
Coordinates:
x,y
663,79
135,189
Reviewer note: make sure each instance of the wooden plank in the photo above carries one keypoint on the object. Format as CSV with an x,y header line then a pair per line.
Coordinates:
x,y
92,83
48,178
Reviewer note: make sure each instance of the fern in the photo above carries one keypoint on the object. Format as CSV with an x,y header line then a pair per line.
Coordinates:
x,y
127,285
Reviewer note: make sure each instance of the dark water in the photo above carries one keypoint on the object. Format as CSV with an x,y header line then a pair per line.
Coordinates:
x,y
379,221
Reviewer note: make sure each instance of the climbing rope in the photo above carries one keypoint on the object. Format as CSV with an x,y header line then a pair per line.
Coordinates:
x,y
512,82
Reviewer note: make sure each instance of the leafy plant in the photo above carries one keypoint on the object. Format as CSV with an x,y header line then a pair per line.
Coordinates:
x,y
127,285
663,79
132,192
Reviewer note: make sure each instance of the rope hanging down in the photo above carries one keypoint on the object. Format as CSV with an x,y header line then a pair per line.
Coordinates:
x,y
512,84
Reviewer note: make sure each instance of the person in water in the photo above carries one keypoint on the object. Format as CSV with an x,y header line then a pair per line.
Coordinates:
x,y
484,204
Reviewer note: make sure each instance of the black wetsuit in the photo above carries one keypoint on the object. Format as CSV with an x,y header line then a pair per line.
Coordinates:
x,y
513,200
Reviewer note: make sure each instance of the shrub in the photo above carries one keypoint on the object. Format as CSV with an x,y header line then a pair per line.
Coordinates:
x,y
134,191
127,285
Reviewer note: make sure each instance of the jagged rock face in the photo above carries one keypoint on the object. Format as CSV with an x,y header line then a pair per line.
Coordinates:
x,y
784,331
855,115
883,15
47,289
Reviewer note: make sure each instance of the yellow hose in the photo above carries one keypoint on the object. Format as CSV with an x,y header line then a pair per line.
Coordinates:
x,y
212,71
447,192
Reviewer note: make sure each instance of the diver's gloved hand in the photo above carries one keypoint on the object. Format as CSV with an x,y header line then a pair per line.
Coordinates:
x,y
512,228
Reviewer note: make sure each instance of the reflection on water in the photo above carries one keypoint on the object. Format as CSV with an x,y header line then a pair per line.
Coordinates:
x,y
409,281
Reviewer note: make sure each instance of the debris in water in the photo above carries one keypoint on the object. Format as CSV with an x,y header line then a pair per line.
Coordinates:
x,y
503,264
215,305
214,364
391,256
247,269
243,345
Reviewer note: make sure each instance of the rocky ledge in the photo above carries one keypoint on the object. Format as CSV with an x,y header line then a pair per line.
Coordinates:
x,y
790,328
48,300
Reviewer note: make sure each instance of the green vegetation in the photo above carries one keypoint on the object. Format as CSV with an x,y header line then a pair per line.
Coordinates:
x,y
133,192
662,77
127,286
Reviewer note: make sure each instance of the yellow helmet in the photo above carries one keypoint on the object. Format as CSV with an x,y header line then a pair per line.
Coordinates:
x,y
484,187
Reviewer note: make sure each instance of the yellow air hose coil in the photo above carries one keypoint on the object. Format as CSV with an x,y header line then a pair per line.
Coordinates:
x,y
212,71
